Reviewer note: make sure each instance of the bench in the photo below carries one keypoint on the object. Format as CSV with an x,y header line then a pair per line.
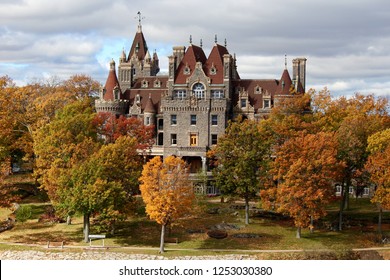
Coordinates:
x,y
96,236
55,244
171,240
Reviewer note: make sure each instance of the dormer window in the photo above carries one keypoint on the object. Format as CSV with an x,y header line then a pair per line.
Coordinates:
x,y
145,84
213,70
187,70
267,103
243,103
258,90
137,99
157,84
116,93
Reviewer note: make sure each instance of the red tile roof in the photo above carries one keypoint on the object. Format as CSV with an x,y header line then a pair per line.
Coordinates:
x,y
284,84
111,83
255,97
139,40
193,55
215,60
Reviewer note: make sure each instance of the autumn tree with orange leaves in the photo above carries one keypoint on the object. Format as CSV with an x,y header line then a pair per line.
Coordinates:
x,y
303,174
378,165
167,191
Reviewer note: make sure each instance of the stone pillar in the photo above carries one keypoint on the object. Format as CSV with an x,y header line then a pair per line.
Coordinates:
x,y
204,166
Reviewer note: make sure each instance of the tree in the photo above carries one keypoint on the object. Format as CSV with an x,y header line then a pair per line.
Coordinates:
x,y
111,128
303,174
167,191
378,165
353,120
242,155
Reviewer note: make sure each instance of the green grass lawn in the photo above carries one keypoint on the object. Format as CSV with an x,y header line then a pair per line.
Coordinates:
x,y
271,234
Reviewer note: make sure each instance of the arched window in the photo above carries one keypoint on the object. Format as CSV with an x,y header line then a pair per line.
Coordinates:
x,y
198,90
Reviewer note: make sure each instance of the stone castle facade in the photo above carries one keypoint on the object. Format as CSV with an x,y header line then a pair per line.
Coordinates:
x,y
190,107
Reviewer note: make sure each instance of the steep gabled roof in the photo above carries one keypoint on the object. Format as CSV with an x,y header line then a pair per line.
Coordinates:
x,y
284,84
214,64
193,55
111,83
149,107
139,46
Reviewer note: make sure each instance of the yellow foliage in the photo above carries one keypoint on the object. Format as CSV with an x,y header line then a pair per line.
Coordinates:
x,y
166,189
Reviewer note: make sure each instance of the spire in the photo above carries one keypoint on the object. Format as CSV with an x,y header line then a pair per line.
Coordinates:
x,y
225,43
201,43
112,65
215,39
140,18
285,61
149,107
190,39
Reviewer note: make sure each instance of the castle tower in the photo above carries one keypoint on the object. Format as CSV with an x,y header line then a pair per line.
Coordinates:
x,y
111,97
149,112
299,74
138,63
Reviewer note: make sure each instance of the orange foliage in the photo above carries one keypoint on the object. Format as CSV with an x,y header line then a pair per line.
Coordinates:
x,y
304,171
166,189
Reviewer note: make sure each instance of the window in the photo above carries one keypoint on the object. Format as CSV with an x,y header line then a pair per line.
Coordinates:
x,y
217,94
243,103
193,119
147,120
214,119
350,190
214,139
173,119
366,191
338,189
180,94
193,139
267,103
198,90
173,139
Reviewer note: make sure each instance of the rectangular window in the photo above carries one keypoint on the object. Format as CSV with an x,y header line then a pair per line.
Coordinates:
x,y
180,94
267,104
193,119
366,191
173,119
214,119
193,139
217,94
214,139
173,139
243,103
350,190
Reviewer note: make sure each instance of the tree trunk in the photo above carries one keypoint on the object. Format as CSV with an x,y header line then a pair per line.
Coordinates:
x,y
86,227
247,211
380,220
298,232
342,204
311,224
162,239
68,220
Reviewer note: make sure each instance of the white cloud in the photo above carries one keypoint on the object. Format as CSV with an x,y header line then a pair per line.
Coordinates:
x,y
346,42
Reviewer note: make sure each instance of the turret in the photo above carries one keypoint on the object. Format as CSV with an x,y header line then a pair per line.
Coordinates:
x,y
299,74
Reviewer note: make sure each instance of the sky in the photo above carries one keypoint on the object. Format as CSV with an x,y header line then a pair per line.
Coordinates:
x,y
346,42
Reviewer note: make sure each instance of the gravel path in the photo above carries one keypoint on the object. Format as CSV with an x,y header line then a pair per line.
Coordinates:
x,y
99,255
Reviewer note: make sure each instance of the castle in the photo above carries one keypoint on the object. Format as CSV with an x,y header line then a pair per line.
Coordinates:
x,y
190,107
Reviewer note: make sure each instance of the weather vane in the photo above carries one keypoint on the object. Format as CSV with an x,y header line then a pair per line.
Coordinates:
x,y
140,18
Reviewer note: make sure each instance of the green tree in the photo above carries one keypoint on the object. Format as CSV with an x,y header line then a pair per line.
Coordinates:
x,y
242,156
167,191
